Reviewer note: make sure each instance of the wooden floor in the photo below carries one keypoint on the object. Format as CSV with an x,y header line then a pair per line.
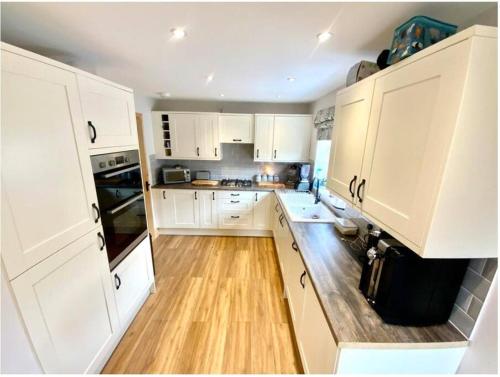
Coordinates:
x,y
218,309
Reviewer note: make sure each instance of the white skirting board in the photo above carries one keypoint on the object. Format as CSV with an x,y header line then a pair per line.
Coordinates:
x,y
215,232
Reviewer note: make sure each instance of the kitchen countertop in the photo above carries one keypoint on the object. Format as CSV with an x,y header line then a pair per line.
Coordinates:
x,y
190,186
335,275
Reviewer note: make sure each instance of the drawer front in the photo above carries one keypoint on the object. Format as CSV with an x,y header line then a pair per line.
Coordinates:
x,y
235,220
236,195
236,204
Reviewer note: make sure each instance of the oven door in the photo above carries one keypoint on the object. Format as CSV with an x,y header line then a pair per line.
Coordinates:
x,y
121,202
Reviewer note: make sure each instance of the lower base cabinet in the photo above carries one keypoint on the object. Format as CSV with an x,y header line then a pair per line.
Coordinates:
x,y
132,280
66,302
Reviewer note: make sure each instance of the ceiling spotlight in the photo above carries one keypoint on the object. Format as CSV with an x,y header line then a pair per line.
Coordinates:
x,y
323,37
210,78
290,78
222,94
178,33
164,94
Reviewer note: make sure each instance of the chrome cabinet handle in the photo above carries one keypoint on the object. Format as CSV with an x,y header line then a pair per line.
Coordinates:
x,y
103,241
94,206
359,189
118,281
301,278
94,132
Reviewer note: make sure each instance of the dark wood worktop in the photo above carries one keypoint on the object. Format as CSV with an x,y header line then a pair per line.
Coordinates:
x,y
190,186
335,275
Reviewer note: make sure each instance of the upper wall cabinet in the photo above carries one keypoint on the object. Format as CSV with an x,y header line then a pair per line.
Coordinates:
x,y
282,138
236,128
48,191
429,171
352,111
109,114
186,136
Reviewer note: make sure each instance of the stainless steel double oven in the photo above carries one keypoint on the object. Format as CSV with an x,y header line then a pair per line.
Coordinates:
x,y
118,183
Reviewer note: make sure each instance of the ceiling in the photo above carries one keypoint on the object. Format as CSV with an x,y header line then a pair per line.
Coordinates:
x,y
250,48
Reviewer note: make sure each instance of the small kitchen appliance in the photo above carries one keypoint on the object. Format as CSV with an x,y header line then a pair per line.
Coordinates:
x,y
202,175
292,176
176,175
405,289
303,183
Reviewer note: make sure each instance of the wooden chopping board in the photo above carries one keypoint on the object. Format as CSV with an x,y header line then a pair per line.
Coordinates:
x,y
271,185
204,182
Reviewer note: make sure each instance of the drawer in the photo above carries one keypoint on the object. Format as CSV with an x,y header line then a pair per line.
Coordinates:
x,y
236,204
242,195
236,220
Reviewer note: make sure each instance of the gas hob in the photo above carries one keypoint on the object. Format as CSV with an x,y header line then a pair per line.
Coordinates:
x,y
236,182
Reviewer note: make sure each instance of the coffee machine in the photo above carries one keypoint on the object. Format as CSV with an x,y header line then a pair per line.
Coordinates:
x,y
303,183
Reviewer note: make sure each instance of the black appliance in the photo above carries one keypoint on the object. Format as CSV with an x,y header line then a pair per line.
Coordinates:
x,y
405,289
236,182
118,182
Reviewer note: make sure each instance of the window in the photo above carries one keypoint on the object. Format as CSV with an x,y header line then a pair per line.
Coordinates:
x,y
321,160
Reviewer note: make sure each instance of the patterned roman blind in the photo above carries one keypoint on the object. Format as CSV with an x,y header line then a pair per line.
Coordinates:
x,y
323,121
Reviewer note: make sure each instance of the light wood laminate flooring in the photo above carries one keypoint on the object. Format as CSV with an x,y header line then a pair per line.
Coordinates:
x,y
218,308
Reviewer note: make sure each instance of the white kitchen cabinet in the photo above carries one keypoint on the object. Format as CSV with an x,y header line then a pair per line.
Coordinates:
x,y
292,138
236,128
67,305
236,209
263,145
352,111
186,136
109,113
48,191
316,344
430,152
183,208
132,280
262,210
208,209
295,275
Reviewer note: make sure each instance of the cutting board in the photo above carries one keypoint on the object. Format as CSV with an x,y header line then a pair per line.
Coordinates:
x,y
204,182
271,185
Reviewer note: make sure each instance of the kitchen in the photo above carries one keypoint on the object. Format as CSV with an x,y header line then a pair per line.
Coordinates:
x,y
253,215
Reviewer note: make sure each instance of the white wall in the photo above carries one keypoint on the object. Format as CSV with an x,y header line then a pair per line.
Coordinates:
x,y
482,354
144,105
17,355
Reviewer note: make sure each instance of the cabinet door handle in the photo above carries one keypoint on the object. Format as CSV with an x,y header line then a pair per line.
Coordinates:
x,y
215,152
99,234
301,279
236,139
353,182
235,194
235,217
196,195
164,195
213,195
198,151
363,181
281,219
257,153
235,201
94,132
256,196
118,281
294,246
147,185
275,153
276,207
98,213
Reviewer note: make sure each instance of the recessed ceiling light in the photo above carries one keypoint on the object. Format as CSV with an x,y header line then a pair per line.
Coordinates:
x,y
291,78
323,37
178,33
278,96
210,78
222,94
164,94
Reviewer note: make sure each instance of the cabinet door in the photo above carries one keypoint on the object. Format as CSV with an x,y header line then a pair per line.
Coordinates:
x,y
47,184
185,208
183,135
262,210
352,112
162,205
236,128
317,346
413,115
109,114
208,209
292,138
207,137
132,279
295,277
263,145
67,304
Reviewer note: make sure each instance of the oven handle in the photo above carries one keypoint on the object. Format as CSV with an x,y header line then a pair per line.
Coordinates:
x,y
133,199
109,175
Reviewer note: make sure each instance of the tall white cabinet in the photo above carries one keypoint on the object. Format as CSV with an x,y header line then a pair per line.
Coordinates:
x,y
429,166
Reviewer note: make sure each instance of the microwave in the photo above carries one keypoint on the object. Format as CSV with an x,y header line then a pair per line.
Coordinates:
x,y
176,175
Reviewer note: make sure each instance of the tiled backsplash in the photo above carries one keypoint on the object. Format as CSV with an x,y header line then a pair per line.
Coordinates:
x,y
474,288
237,162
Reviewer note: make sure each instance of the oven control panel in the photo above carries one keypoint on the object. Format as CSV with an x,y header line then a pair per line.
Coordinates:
x,y
104,162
